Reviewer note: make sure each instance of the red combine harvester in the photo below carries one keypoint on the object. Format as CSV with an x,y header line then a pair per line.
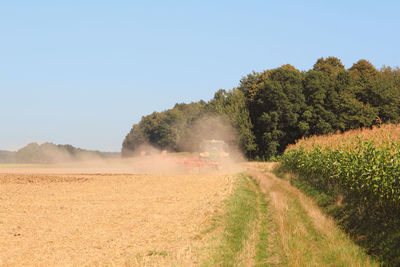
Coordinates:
x,y
213,153
211,157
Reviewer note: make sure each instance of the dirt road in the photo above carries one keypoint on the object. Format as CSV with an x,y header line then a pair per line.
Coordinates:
x,y
105,219
301,234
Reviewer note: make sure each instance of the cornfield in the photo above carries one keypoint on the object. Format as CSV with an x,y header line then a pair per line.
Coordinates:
x,y
381,135
362,168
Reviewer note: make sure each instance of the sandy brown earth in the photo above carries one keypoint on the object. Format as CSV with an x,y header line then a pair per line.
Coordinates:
x,y
106,219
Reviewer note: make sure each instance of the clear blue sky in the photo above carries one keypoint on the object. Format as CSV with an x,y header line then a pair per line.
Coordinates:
x,y
83,72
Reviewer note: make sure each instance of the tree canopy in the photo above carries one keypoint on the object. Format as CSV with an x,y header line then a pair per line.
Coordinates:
x,y
271,109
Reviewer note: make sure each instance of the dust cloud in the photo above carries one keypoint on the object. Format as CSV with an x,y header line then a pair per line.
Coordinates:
x,y
207,133
210,145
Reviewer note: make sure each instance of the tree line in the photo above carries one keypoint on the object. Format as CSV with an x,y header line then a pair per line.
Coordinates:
x,y
7,156
272,109
52,153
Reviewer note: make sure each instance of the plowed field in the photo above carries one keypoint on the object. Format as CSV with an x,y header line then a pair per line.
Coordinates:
x,y
105,219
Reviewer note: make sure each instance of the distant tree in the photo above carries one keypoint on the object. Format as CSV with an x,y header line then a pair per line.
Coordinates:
x,y
163,130
135,138
30,154
7,156
51,153
363,72
331,66
249,84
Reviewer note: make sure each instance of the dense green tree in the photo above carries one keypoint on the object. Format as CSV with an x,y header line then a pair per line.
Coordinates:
x,y
363,72
317,89
163,130
356,114
249,84
277,106
382,94
273,108
232,106
331,66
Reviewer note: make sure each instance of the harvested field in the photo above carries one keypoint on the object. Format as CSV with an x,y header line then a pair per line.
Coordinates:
x,y
106,219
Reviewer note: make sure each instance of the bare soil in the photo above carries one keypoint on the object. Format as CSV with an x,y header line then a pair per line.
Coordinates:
x,y
105,219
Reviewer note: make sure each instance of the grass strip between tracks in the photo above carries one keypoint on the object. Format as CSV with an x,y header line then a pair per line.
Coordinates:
x,y
268,222
310,237
245,227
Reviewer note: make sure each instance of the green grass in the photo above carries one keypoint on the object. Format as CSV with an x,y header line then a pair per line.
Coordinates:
x,y
276,228
316,248
314,245
267,247
245,209
241,210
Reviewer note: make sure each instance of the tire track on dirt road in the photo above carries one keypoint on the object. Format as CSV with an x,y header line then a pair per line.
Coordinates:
x,y
304,235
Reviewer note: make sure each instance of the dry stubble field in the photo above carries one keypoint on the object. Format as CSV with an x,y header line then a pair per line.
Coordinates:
x,y
105,219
